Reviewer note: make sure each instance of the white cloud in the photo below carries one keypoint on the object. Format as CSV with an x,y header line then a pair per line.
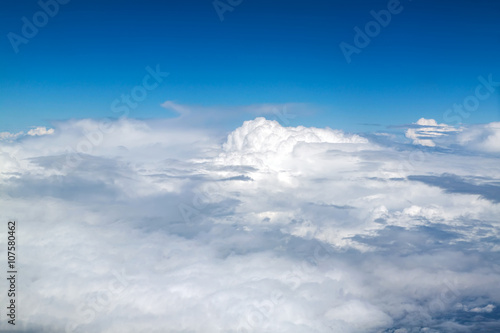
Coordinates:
x,y
266,142
162,227
8,135
486,309
32,132
482,138
428,129
360,316
40,131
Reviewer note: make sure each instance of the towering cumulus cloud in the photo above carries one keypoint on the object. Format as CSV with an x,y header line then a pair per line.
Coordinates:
x,y
264,142
148,226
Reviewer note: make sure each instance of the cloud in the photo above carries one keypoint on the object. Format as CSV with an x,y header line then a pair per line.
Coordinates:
x,y
426,130
217,116
454,184
8,135
263,141
162,226
486,309
480,138
36,131
484,138
40,131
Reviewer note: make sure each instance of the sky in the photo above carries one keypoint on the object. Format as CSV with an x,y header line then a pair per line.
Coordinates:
x,y
249,166
426,58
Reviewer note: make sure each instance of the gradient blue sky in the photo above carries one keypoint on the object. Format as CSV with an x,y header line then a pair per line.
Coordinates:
x,y
91,52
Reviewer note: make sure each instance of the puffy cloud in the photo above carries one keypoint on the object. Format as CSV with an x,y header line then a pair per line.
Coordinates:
x,y
36,131
486,309
40,131
262,135
266,142
482,138
8,135
426,130
159,227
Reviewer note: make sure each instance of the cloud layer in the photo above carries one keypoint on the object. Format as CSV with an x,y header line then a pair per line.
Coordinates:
x,y
145,226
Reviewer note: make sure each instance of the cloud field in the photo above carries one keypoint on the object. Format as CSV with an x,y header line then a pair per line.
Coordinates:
x,y
156,226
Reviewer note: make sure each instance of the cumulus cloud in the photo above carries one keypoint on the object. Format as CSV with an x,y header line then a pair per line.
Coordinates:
x,y
482,137
425,130
147,226
263,141
487,309
9,136
36,131
40,131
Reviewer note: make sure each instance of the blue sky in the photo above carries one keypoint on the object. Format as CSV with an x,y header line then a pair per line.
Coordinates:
x,y
427,58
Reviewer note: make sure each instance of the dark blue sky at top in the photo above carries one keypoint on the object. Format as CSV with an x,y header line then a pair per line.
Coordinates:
x,y
91,52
